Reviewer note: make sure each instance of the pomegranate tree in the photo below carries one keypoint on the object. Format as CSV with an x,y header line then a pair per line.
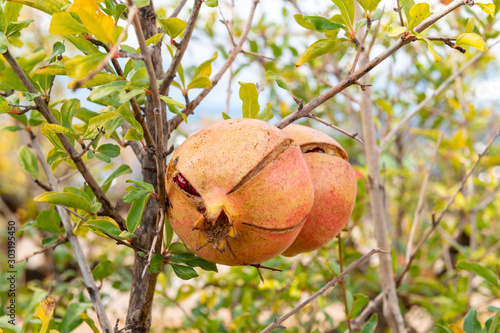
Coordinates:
x,y
239,192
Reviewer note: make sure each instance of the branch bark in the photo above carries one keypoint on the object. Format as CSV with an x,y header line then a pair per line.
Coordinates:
x,y
392,313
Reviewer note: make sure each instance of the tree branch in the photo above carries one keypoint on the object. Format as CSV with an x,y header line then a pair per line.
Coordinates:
x,y
90,284
350,80
179,53
278,320
73,154
352,136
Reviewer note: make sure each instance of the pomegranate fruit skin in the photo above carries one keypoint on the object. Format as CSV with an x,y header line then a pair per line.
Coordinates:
x,y
254,190
335,189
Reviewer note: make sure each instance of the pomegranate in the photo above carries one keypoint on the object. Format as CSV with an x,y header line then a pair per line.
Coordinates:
x,y
334,182
239,192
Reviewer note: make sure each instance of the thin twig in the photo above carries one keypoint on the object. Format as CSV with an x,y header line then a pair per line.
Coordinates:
x,y
100,131
361,46
42,185
179,53
178,9
352,136
111,53
158,234
45,249
25,108
176,121
278,320
385,141
448,41
342,284
399,9
420,201
90,284
41,103
348,81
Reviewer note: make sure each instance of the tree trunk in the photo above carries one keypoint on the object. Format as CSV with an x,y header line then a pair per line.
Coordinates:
x,y
143,288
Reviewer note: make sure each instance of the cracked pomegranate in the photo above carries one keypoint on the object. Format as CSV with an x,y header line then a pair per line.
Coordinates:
x,y
239,192
334,182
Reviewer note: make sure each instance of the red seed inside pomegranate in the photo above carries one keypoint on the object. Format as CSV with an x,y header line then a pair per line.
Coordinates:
x,y
185,185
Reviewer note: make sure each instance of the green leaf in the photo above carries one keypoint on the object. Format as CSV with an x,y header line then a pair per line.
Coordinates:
x,y
66,199
347,10
9,78
56,68
104,269
49,220
49,241
471,39
205,69
129,117
96,122
4,43
63,23
317,23
89,322
224,115
178,247
170,101
106,90
407,6
143,185
135,213
418,13
28,161
152,40
97,80
109,150
133,135
395,30
120,171
105,227
173,26
359,302
279,81
437,58
371,325
249,95
69,108
140,78
168,233
12,128
266,114
199,83
49,134
369,5
319,48
184,272
477,269
156,263
191,260
471,324
72,319
141,3
488,8
470,25
47,6
212,3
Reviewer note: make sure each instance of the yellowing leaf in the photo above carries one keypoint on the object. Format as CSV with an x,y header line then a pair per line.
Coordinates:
x,y
79,66
63,23
44,312
250,97
97,80
47,6
394,30
418,13
488,8
55,68
437,58
200,82
173,26
471,39
470,25
319,48
95,21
